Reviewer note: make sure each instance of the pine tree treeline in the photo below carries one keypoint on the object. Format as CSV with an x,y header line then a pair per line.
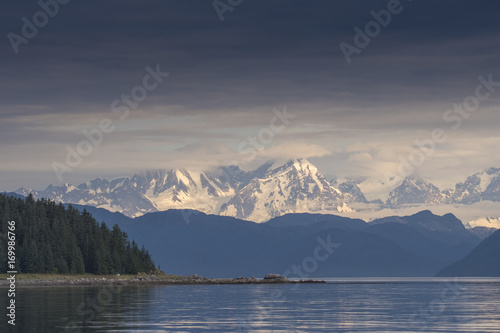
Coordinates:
x,y
54,239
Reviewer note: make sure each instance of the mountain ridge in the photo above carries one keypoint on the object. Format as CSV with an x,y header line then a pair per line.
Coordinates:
x,y
196,243
484,260
271,190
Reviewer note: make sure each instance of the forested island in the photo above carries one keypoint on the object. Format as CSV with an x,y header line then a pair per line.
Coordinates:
x,y
51,238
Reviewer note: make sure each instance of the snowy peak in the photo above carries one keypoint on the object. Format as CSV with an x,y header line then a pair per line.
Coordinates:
x,y
483,185
415,190
184,189
301,171
351,187
273,189
296,186
300,165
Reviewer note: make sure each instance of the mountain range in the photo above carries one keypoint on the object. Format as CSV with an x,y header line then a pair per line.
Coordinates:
x,y
272,190
189,242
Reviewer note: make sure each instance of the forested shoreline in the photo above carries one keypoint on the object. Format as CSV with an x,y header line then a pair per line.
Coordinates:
x,y
53,239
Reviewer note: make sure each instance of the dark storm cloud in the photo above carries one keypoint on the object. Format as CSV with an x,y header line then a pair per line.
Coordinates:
x,y
264,54
276,51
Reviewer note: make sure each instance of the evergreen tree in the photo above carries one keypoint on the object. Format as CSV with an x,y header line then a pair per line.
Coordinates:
x,y
53,239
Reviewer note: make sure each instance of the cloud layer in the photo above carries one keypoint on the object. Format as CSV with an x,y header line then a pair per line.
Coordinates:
x,y
227,77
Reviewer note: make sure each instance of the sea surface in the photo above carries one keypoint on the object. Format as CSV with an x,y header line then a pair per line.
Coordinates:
x,y
341,305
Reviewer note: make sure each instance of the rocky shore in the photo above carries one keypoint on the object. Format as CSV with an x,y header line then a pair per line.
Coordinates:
x,y
140,280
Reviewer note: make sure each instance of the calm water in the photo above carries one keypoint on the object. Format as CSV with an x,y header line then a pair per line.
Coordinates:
x,y
343,305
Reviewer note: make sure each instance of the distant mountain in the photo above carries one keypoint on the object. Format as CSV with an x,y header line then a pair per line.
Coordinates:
x,y
483,185
220,246
484,260
442,237
317,221
482,232
271,190
296,186
103,215
117,195
190,242
153,191
351,187
268,191
13,194
415,190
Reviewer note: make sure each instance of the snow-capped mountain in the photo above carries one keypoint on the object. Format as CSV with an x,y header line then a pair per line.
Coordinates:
x,y
181,188
257,195
415,190
296,186
118,195
272,190
350,186
153,191
483,185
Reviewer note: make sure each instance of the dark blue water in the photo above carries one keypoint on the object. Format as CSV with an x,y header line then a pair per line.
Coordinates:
x,y
343,305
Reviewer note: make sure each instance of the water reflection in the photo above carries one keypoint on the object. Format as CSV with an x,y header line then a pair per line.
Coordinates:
x,y
337,307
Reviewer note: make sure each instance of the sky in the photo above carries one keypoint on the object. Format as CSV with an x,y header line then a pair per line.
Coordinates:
x,y
200,83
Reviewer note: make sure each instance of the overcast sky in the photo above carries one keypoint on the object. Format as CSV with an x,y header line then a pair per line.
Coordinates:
x,y
226,78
